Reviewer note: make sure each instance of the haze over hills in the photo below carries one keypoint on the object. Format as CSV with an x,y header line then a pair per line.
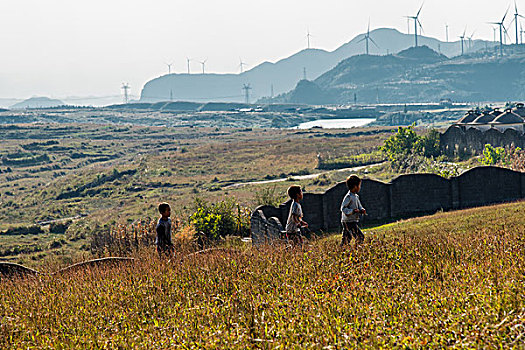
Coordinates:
x,y
416,75
38,102
284,74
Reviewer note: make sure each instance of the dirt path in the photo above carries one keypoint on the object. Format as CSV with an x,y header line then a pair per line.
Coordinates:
x,y
301,177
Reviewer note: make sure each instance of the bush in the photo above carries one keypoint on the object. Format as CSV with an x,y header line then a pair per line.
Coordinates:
x,y
406,142
510,157
59,227
350,161
269,196
221,219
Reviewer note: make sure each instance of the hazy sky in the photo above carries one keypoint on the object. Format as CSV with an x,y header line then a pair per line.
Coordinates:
x,y
62,48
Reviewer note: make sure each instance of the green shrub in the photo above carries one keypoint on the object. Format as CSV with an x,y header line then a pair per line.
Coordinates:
x,y
397,148
350,161
269,196
221,219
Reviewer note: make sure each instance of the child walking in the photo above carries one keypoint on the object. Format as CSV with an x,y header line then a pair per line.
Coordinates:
x,y
295,217
351,210
163,239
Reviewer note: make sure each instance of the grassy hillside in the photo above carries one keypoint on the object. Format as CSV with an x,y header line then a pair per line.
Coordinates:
x,y
419,75
452,279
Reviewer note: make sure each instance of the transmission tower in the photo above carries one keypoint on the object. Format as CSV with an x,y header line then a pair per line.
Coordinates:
x,y
125,87
247,89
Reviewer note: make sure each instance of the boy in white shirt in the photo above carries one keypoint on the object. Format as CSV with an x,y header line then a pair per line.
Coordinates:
x,y
295,217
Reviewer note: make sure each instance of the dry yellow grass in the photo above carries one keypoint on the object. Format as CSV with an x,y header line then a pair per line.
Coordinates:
x,y
454,279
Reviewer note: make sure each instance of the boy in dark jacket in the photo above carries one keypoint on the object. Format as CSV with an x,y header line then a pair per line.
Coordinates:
x,y
351,210
163,239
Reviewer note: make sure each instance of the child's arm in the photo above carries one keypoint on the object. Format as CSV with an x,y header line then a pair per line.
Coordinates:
x,y
349,206
361,210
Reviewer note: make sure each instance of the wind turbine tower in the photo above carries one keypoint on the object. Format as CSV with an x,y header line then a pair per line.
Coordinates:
x,y
501,28
516,20
416,22
203,63
463,42
188,60
446,30
308,36
470,40
247,89
125,88
367,38
169,67
241,65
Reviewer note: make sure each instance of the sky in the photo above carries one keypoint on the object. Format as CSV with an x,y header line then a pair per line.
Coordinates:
x,y
67,48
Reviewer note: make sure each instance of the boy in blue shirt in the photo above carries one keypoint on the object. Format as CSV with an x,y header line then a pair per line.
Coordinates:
x,y
351,210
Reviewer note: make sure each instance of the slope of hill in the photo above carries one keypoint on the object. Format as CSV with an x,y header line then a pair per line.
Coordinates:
x,y
283,75
422,75
448,280
38,102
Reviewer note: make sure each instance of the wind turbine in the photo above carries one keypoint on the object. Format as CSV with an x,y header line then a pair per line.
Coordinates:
x,y
501,28
367,38
203,64
470,40
169,67
416,22
462,41
521,33
446,30
188,60
241,65
308,36
516,20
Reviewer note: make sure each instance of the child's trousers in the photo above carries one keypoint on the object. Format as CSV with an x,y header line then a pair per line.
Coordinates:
x,y
351,229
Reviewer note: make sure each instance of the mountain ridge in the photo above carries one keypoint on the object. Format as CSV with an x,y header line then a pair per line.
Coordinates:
x,y
283,75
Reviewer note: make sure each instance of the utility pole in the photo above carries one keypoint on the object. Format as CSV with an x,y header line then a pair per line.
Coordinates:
x,y
125,87
247,89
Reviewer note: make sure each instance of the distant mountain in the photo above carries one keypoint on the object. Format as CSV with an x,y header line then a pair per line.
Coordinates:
x,y
284,74
418,75
38,102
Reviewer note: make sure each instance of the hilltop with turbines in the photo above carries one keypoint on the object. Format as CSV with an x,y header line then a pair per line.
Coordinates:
x,y
269,82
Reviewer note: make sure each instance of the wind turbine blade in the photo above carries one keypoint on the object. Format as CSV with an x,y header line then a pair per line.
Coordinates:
x,y
368,30
372,40
363,39
420,25
418,12
506,13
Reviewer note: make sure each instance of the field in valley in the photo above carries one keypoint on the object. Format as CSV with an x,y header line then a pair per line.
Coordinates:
x,y
52,175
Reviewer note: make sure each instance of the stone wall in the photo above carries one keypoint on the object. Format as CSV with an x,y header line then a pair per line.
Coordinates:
x,y
461,140
406,196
